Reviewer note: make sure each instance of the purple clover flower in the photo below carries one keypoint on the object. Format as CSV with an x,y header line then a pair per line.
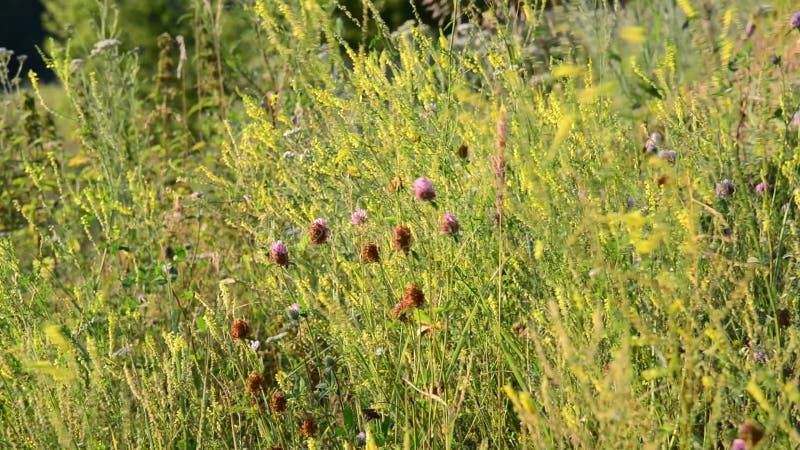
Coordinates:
x,y
361,438
449,224
668,155
761,188
359,217
795,123
795,21
739,444
294,311
279,253
724,189
423,189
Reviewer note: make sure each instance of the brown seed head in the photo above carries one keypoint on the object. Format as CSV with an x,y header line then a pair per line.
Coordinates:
x,y
309,426
662,180
239,329
751,432
402,238
463,151
370,252
277,404
784,318
413,296
255,381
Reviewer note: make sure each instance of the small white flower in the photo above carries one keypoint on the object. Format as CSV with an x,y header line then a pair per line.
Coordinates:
x,y
255,345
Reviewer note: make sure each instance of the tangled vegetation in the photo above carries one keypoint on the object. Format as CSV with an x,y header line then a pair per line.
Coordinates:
x,y
553,227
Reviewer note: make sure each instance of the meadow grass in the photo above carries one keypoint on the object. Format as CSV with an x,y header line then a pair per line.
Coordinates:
x,y
575,227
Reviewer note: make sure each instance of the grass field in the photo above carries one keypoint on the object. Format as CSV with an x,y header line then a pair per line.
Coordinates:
x,y
558,227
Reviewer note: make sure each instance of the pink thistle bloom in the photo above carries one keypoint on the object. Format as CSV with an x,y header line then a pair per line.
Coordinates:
x,y
279,253
359,217
449,224
423,189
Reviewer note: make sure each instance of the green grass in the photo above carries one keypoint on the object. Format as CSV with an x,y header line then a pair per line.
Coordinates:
x,y
595,296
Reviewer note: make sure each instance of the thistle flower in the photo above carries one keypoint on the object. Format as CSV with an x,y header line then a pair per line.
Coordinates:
x,y
309,426
449,224
423,189
254,382
358,217
795,21
294,311
319,231
761,188
724,189
402,238
279,253
239,329
277,403
370,252
751,432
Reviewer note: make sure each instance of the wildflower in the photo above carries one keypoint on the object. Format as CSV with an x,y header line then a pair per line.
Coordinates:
x,y
423,189
255,345
358,217
239,329
277,403
413,297
739,444
629,202
751,432
370,253
361,438
254,382
294,311
795,123
668,155
651,146
402,238
724,189
449,224
309,426
104,44
6,52
279,253
196,196
319,231
795,21
761,188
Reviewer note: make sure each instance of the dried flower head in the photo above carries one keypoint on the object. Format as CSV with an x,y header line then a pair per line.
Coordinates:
x,y
370,252
463,151
359,217
449,224
423,189
309,426
724,189
277,403
319,231
239,329
395,185
255,381
784,318
662,180
402,238
413,296
751,432
795,20
279,253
